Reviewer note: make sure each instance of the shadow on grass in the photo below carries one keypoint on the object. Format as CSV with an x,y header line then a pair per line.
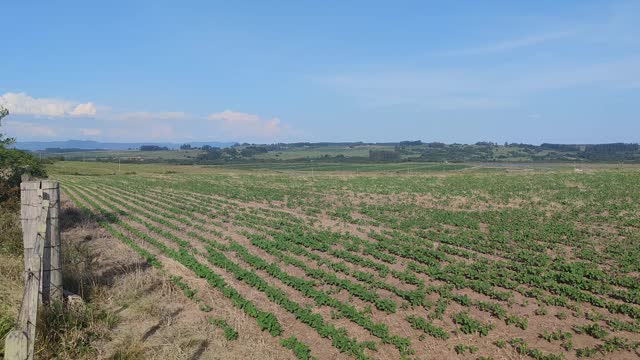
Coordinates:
x,y
72,218
202,347
152,330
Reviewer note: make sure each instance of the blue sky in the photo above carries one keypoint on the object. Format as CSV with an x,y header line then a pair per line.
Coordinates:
x,y
266,71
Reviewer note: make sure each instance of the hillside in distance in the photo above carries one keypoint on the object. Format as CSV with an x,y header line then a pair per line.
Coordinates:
x,y
97,145
393,152
418,151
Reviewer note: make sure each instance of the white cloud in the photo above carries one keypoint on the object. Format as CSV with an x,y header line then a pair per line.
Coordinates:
x,y
235,117
239,124
28,130
148,115
23,104
87,109
100,121
90,132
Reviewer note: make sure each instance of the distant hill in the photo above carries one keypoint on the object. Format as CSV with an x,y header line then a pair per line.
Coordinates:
x,y
96,145
224,152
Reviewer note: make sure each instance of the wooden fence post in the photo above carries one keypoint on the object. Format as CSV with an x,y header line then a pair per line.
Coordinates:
x,y
31,194
51,267
32,295
30,209
34,212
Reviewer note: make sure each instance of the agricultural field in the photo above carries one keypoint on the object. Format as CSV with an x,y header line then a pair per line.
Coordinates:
x,y
436,263
114,155
319,151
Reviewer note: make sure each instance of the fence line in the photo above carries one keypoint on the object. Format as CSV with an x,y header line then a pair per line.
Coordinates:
x,y
40,207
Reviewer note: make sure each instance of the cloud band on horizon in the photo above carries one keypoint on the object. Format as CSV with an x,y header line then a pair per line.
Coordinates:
x,y
46,118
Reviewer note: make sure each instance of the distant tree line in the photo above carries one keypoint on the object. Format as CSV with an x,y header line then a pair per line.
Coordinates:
x,y
560,147
410,143
67,150
416,150
384,155
412,150
213,153
153,148
611,148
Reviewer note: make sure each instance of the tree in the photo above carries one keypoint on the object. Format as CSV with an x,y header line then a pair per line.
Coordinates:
x,y
231,152
13,164
153,148
185,147
252,150
384,155
212,153
8,141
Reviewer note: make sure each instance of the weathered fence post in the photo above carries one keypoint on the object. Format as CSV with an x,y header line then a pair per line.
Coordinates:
x,y
34,212
40,207
27,319
31,194
30,209
51,269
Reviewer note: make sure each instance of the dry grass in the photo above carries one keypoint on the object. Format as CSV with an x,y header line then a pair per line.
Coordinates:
x,y
155,320
11,266
130,310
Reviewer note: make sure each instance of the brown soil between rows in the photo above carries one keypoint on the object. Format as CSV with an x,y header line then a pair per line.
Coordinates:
x,y
156,320
531,335
385,351
320,347
330,222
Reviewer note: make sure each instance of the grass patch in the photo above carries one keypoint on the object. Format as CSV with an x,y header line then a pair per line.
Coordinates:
x,y
10,232
11,266
128,349
69,332
62,331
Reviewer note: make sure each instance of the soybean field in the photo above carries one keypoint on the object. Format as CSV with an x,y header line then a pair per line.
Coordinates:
x,y
438,263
